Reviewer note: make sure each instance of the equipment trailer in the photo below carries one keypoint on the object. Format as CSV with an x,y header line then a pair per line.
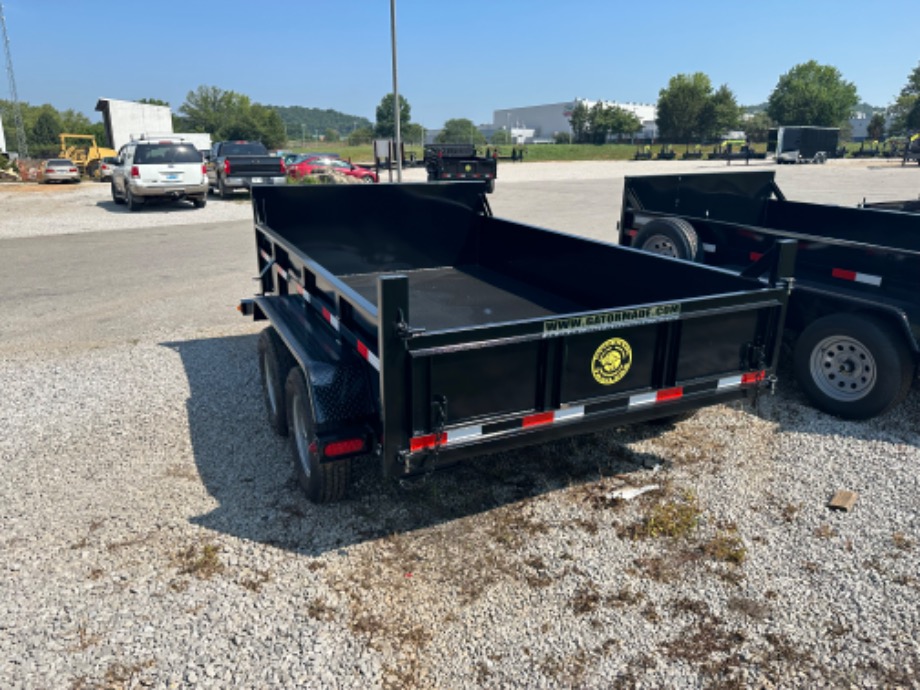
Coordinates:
x,y
409,324
855,307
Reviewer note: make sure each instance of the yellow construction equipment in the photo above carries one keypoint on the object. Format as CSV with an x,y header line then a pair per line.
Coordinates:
x,y
86,156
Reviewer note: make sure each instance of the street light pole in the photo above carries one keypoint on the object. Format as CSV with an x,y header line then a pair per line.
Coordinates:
x,y
395,92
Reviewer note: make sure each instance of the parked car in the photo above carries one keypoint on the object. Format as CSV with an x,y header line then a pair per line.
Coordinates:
x,y
60,170
317,165
106,167
159,169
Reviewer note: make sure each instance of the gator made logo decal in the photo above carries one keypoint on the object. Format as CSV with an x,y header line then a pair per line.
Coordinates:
x,y
611,319
611,361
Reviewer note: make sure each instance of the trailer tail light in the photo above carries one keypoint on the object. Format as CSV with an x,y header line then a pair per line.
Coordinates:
x,y
347,447
135,172
226,166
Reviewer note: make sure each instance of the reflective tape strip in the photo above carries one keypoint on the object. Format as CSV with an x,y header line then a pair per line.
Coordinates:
x,y
568,413
463,434
281,272
729,382
664,395
711,248
331,318
856,277
265,255
745,379
368,355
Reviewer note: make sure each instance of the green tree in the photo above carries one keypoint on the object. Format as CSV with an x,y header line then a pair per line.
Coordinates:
x,y
361,136
460,131
812,94
579,119
386,117
683,106
720,114
876,126
413,133
270,126
331,135
757,127
153,101
562,138
47,128
501,137
905,112
211,109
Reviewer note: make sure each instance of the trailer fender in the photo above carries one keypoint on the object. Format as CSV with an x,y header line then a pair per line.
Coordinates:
x,y
674,237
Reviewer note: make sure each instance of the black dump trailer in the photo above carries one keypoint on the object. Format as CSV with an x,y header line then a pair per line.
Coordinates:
x,y
410,325
855,306
803,144
460,162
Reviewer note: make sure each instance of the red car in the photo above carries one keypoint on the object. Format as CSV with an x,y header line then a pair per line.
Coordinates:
x,y
316,165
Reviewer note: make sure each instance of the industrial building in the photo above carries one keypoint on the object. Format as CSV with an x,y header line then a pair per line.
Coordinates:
x,y
541,123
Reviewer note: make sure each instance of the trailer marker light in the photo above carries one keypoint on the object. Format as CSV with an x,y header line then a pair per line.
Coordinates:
x,y
338,448
753,377
756,256
856,277
538,419
632,233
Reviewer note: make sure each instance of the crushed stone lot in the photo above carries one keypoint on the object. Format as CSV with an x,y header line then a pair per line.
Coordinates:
x,y
154,535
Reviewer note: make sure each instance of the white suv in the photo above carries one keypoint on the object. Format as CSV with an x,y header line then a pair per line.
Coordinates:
x,y
169,169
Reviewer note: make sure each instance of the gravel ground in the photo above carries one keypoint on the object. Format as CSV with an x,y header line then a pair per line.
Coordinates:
x,y
153,534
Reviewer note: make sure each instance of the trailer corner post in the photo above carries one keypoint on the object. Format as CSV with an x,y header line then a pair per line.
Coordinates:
x,y
393,317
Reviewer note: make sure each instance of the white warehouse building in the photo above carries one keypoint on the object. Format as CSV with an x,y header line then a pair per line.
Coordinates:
x,y
541,123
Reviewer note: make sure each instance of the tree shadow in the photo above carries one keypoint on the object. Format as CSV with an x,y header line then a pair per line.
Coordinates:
x,y
248,470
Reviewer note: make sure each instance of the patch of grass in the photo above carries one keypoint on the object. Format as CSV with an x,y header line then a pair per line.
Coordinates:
x,y
790,511
675,518
585,599
699,642
624,597
825,531
726,546
204,562
254,584
319,609
695,607
749,607
902,541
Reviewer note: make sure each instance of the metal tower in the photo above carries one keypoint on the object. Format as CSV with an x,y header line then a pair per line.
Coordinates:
x,y
17,114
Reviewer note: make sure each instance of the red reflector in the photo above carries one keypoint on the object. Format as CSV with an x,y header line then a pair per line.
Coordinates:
x,y
669,394
753,377
755,256
424,442
326,314
337,448
844,275
632,233
537,419
362,349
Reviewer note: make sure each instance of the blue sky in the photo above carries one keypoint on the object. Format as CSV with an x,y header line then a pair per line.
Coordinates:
x,y
460,58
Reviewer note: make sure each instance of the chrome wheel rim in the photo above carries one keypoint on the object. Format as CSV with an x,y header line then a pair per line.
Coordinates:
x,y
843,368
660,244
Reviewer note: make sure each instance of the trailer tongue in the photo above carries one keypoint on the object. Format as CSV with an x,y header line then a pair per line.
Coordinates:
x,y
411,325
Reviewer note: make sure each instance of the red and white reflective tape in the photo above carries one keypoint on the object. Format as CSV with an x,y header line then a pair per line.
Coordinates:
x,y
856,277
281,272
372,359
553,416
265,255
331,318
741,379
664,395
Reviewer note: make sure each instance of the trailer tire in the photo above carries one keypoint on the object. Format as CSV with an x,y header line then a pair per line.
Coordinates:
x,y
491,186
117,199
672,237
322,482
275,363
853,366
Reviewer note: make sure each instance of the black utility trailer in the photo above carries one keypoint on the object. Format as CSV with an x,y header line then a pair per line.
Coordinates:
x,y
460,162
409,324
855,308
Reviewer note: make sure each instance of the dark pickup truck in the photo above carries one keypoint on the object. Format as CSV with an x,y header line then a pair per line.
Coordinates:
x,y
236,165
460,162
411,326
855,306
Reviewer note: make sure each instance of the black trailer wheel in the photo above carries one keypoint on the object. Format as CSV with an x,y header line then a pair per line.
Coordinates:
x,y
491,187
323,482
275,362
134,204
853,366
117,199
673,237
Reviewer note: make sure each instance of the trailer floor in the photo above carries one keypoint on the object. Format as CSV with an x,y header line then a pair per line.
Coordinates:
x,y
464,296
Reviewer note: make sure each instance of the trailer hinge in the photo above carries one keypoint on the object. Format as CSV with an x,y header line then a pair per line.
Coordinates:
x,y
403,329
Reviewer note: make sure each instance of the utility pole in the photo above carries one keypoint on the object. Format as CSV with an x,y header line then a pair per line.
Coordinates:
x,y
395,92
17,114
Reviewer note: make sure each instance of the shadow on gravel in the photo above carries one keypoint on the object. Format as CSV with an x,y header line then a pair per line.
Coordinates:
x,y
247,469
153,205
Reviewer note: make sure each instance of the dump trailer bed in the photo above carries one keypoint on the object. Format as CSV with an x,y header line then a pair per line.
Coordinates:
x,y
426,331
857,274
